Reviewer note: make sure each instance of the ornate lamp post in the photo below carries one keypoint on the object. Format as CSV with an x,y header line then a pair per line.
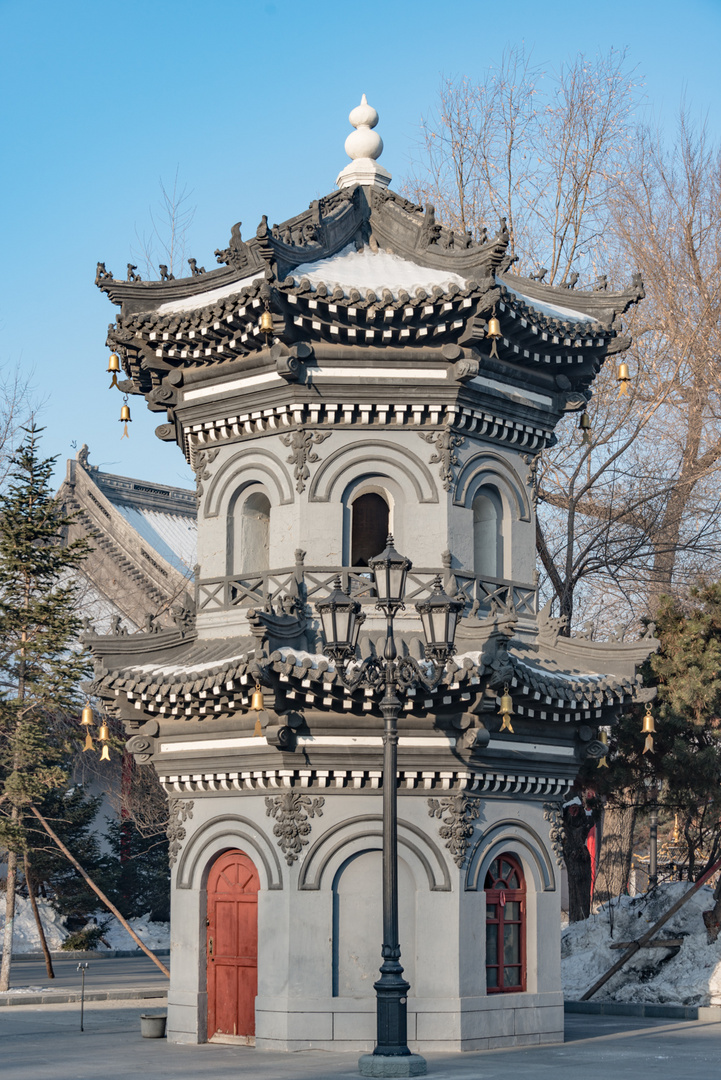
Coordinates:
x,y
341,617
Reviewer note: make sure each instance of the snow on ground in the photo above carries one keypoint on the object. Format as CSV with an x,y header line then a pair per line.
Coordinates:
x,y
153,934
25,933
26,939
691,977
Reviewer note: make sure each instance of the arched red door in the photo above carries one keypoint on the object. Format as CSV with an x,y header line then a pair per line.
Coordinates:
x,y
232,945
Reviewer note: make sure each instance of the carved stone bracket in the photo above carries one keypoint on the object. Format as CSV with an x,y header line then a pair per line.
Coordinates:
x,y
301,444
457,813
291,812
179,810
553,812
445,442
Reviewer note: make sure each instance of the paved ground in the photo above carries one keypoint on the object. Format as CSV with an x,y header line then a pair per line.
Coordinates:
x,y
45,1043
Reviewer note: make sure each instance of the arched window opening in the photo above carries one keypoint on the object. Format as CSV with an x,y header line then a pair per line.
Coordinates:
x,y
487,535
251,534
505,926
369,528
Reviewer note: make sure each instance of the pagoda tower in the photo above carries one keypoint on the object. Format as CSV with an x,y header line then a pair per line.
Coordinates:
x,y
357,370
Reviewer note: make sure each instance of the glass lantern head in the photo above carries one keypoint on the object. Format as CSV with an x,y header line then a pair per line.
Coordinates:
x,y
341,619
439,614
389,571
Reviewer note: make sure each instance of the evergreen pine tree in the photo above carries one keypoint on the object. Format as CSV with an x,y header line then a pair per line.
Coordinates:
x,y
40,667
686,756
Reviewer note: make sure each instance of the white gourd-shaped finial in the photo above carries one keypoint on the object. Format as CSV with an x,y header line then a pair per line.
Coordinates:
x,y
363,142
364,146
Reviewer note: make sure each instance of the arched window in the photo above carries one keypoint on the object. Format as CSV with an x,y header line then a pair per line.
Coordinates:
x,y
250,534
369,528
505,926
488,534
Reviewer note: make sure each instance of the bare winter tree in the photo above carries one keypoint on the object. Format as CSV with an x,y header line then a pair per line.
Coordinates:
x,y
634,512
164,241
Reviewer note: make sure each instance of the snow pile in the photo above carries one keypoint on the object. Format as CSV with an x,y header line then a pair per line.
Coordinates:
x,y
691,977
27,940
156,935
25,932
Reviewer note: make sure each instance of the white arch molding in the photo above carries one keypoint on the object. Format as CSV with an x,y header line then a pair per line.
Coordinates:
x,y
488,469
521,840
252,465
223,833
365,833
372,459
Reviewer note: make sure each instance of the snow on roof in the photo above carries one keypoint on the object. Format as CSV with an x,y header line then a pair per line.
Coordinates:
x,y
364,270
556,311
174,536
209,297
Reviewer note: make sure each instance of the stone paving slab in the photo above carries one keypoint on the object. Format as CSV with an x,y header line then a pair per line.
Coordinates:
x,y
45,1043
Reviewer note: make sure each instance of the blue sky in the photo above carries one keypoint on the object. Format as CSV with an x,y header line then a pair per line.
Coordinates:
x,y
249,101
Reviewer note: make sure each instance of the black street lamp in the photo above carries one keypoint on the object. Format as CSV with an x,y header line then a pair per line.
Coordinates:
x,y
340,618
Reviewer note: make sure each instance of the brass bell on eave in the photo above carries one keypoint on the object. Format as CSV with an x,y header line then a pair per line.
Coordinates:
x,y
494,332
584,426
125,419
87,720
623,378
506,711
113,369
104,737
602,763
266,322
648,728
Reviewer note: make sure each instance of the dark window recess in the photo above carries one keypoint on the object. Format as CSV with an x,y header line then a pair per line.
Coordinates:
x,y
505,926
369,528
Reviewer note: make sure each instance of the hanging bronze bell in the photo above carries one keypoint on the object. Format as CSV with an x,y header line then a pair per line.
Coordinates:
x,y
584,426
103,737
602,763
623,378
125,419
647,729
256,702
266,322
86,717
494,332
506,711
113,369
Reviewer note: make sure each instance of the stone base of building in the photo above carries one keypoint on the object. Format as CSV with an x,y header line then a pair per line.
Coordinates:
x,y
349,1024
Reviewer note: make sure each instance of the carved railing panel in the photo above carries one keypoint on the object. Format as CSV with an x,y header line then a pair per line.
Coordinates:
x,y
315,582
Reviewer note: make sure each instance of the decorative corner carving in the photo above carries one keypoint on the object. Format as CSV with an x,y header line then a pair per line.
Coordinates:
x,y
301,443
202,460
141,747
179,810
291,812
165,432
465,369
553,813
549,627
446,443
457,813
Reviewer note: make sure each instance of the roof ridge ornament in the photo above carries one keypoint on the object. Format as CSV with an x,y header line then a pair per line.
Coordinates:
x,y
364,146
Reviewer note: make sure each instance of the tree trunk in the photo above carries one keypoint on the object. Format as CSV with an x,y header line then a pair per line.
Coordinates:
x,y
9,920
38,920
576,827
98,892
614,865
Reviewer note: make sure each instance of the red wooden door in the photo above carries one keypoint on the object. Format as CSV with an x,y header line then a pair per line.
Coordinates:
x,y
232,945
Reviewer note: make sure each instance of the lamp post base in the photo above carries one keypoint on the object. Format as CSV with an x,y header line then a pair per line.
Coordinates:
x,y
392,1065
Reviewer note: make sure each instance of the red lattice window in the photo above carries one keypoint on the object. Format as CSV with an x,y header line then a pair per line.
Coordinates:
x,y
505,926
